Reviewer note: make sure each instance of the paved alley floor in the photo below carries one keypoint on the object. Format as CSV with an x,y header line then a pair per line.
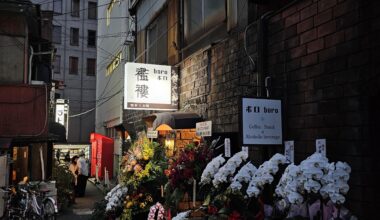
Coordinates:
x,y
84,206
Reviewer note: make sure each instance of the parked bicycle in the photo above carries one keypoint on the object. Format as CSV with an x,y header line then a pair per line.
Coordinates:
x,y
26,202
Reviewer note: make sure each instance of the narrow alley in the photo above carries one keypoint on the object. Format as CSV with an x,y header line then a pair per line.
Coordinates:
x,y
83,207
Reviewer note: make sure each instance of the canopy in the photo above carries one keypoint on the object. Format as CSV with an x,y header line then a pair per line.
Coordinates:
x,y
176,120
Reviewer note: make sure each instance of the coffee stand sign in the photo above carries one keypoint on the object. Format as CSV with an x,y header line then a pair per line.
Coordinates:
x,y
261,121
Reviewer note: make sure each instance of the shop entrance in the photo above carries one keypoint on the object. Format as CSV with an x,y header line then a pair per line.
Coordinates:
x,y
20,166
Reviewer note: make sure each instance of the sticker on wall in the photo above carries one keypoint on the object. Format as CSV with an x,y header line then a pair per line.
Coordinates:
x,y
289,151
320,145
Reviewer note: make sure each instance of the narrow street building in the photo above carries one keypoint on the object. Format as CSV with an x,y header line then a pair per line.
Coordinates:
x,y
26,126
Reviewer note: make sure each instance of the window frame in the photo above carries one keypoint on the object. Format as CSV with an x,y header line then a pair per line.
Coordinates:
x,y
94,66
74,42
57,70
75,13
206,24
93,8
155,24
59,36
88,38
72,58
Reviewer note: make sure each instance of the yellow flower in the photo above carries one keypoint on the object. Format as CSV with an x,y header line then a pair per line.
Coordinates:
x,y
142,205
129,204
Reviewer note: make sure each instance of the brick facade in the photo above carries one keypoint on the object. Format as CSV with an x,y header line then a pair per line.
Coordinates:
x,y
321,56
329,82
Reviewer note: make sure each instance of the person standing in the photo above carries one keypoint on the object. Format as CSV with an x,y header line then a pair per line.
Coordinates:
x,y
73,167
82,174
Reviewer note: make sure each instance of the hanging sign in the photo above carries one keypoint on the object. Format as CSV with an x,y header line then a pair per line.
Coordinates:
x,y
227,147
261,121
150,87
320,145
203,129
289,151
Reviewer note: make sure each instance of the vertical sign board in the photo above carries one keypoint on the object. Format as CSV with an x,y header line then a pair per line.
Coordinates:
x,y
289,151
62,114
203,129
227,147
150,87
261,121
320,145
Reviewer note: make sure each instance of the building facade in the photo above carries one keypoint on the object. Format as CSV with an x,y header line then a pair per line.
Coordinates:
x,y
115,47
25,89
74,35
317,56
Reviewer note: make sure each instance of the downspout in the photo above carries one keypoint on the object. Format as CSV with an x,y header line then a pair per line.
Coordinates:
x,y
262,45
30,65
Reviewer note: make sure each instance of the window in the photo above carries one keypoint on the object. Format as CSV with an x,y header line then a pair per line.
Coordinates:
x,y
109,10
57,34
202,15
157,40
73,65
92,10
57,6
74,36
114,64
91,38
91,67
57,64
75,8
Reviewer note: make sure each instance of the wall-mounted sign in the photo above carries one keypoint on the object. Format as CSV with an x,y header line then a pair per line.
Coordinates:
x,y
261,121
320,145
150,87
289,151
62,113
152,134
227,147
204,128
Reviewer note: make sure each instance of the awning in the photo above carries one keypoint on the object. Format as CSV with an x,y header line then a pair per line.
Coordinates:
x,y
176,120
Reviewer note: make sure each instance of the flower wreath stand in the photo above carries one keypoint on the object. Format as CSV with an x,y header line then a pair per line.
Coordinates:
x,y
156,210
187,204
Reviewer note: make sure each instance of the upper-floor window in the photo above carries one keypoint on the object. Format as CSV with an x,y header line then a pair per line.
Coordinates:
x,y
57,6
75,8
57,34
157,40
114,64
91,67
109,10
202,15
57,64
91,38
92,9
73,65
74,36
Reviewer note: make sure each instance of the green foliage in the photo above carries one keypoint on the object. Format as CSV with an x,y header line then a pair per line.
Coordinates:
x,y
64,183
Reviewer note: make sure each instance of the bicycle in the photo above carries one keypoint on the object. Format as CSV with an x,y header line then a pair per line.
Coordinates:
x,y
27,203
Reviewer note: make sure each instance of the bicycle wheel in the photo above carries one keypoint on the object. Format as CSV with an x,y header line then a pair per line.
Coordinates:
x,y
49,210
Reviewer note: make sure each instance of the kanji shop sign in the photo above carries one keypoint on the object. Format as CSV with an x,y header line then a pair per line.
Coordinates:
x,y
261,121
150,87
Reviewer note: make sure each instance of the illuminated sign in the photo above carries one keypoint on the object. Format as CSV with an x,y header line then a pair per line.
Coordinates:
x,y
150,87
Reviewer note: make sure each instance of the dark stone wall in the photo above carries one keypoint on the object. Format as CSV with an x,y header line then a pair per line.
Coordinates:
x,y
322,57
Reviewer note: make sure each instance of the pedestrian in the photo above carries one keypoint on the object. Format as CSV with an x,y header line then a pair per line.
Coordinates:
x,y
58,155
82,174
73,167
67,156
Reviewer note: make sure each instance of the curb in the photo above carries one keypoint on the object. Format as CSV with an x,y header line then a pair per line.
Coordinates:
x,y
101,186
